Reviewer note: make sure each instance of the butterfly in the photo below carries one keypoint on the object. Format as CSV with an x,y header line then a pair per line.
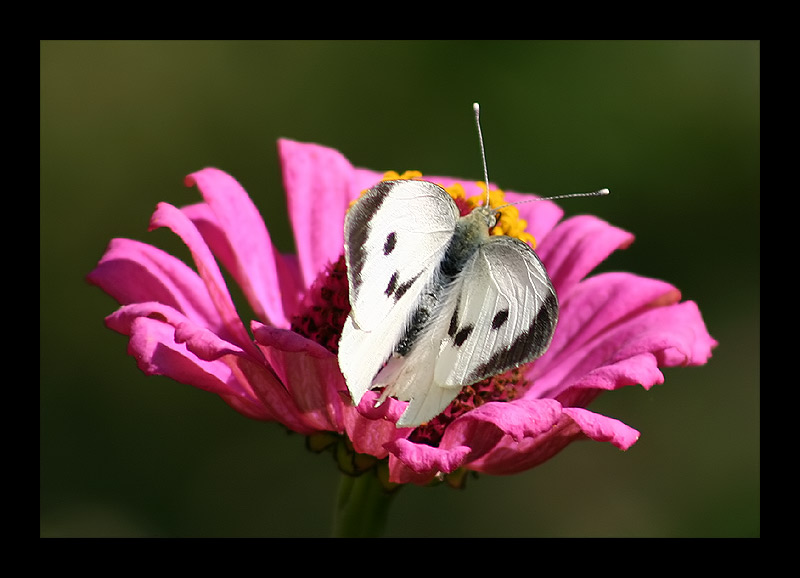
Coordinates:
x,y
437,303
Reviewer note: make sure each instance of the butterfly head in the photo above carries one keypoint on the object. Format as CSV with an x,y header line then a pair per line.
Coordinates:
x,y
501,217
488,215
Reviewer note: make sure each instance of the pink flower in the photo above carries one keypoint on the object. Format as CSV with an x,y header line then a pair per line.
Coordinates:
x,y
615,329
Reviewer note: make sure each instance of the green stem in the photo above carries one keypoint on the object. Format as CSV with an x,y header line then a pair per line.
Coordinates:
x,y
362,507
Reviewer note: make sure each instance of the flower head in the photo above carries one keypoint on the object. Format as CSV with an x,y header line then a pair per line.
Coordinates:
x,y
615,329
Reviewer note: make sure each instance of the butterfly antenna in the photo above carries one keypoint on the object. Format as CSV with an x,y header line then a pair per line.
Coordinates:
x,y
477,109
600,193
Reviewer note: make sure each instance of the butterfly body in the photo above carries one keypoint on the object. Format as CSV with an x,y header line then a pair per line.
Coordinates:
x,y
437,303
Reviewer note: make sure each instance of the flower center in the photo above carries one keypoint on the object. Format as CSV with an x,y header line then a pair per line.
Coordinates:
x,y
504,387
325,307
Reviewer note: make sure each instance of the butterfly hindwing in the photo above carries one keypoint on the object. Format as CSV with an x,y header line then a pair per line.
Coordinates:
x,y
500,312
505,314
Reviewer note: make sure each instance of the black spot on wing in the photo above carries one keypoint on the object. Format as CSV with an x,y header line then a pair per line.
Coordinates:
x,y
451,330
462,335
401,290
391,241
393,289
499,319
392,286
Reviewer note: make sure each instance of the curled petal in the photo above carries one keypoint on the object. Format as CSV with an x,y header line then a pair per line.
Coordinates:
x,y
153,346
519,419
511,457
168,216
237,232
204,343
369,427
423,460
601,428
133,272
662,337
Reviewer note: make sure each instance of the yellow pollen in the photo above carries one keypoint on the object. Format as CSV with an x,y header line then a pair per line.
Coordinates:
x,y
508,221
457,192
406,176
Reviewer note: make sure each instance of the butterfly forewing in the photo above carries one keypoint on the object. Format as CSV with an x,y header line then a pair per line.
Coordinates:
x,y
394,237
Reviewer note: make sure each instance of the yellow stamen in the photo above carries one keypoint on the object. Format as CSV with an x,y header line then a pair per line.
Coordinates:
x,y
508,221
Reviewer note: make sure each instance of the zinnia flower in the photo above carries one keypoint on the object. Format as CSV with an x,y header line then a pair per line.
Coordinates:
x,y
615,329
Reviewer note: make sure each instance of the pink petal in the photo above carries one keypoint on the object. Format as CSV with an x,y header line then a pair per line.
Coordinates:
x,y
291,278
632,353
248,385
615,331
131,272
153,346
519,419
271,392
309,373
247,244
424,460
511,456
320,183
159,287
595,306
471,437
167,215
195,339
576,246
603,429
201,341
370,428
290,284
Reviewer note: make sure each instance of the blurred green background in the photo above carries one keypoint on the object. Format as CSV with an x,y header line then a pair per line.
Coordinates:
x,y
672,128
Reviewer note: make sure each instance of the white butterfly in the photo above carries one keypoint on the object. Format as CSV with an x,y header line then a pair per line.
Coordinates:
x,y
437,302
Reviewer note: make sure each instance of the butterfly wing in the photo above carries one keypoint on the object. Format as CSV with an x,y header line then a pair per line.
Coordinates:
x,y
505,315
500,313
395,235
